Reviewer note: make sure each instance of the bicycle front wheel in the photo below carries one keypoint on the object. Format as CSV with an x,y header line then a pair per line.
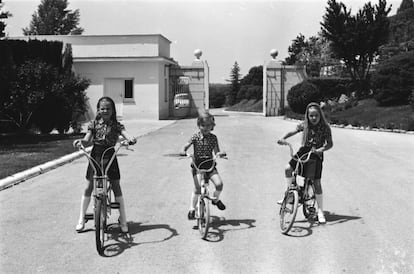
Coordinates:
x,y
100,224
203,221
288,210
309,200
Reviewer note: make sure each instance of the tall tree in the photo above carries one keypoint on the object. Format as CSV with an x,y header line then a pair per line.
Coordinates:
x,y
3,15
295,50
53,17
405,5
231,94
355,39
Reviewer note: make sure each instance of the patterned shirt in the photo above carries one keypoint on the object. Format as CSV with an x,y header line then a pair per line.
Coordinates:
x,y
317,134
105,133
203,145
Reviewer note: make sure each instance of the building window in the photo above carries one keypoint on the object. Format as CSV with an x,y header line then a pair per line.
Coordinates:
x,y
129,92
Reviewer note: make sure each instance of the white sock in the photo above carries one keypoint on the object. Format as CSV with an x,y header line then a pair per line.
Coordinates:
x,y
194,199
216,194
319,200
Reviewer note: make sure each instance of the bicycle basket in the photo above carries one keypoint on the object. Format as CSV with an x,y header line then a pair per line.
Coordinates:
x,y
308,170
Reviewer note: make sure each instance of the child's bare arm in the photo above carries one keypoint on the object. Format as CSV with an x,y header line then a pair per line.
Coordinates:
x,y
184,149
217,151
287,135
129,138
86,139
328,145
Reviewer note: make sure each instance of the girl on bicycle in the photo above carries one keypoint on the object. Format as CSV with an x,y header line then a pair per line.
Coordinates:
x,y
204,144
104,132
316,137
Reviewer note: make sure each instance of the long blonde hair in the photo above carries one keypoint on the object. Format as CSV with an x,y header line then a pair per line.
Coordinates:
x,y
306,123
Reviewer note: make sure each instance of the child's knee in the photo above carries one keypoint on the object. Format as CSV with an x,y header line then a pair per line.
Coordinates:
x,y
219,186
88,189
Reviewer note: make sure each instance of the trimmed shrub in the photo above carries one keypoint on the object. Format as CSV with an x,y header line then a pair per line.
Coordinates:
x,y
393,80
301,95
332,88
217,97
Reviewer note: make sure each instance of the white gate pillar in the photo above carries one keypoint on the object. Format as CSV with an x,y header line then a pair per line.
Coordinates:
x,y
273,79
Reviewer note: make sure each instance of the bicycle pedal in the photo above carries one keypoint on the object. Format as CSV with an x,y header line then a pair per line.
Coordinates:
x,y
114,205
88,216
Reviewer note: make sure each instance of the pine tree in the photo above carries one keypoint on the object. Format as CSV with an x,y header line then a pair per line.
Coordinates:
x,y
405,5
53,17
3,15
231,94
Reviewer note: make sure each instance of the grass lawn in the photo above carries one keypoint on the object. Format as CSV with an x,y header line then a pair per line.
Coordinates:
x,y
18,153
248,106
366,113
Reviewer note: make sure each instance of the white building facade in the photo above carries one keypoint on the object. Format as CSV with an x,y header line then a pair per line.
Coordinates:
x,y
131,69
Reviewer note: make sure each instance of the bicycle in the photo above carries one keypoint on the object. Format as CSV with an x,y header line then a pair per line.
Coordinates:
x,y
203,203
296,196
103,201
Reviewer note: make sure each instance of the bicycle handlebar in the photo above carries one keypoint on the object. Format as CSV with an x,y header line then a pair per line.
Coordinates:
x,y
213,160
300,159
116,147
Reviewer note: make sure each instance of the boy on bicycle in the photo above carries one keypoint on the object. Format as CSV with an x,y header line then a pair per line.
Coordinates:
x,y
204,144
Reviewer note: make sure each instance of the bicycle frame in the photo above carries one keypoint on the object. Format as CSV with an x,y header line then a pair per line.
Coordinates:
x,y
98,188
203,177
293,198
203,209
102,191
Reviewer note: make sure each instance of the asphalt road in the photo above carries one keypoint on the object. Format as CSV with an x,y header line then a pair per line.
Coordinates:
x,y
367,181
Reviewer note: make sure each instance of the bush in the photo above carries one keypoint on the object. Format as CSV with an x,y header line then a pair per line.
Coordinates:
x,y
38,87
332,88
411,100
217,95
393,80
300,95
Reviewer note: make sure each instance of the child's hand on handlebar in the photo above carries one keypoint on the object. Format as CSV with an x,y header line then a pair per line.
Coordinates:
x,y
282,142
132,141
182,153
221,154
77,143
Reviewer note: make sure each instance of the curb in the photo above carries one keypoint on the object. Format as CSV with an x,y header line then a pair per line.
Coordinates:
x,y
37,170
20,177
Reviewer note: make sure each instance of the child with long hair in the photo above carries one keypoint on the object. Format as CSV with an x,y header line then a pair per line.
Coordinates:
x,y
317,137
204,144
104,132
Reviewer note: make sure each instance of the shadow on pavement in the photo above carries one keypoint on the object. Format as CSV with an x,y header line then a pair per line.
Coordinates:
x,y
124,241
332,218
219,226
303,227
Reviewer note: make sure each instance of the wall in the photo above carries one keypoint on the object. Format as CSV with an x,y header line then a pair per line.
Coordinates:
x,y
277,80
144,74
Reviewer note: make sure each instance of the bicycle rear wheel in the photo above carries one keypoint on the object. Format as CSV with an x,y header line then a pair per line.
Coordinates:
x,y
100,223
288,210
203,221
309,200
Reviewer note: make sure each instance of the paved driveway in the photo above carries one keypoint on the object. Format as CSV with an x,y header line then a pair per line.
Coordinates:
x,y
367,180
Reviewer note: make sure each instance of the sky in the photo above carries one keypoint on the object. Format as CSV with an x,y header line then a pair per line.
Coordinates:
x,y
226,31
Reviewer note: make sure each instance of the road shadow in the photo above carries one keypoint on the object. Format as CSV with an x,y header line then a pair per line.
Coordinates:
x,y
220,226
333,219
304,227
125,241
